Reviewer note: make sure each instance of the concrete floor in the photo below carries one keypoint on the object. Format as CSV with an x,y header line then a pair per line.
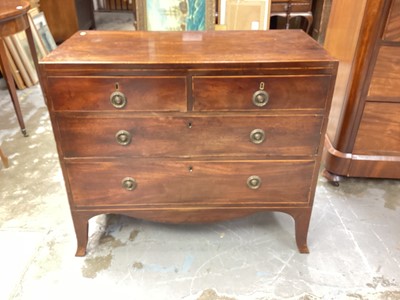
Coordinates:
x,y
353,238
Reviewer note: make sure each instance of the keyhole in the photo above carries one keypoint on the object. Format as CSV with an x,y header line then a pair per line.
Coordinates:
x,y
189,125
116,86
262,85
190,169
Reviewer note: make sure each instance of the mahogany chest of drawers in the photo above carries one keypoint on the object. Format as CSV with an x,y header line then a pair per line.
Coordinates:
x,y
189,127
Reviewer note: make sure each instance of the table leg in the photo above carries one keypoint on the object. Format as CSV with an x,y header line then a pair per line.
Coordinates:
x,y
32,47
4,159
11,86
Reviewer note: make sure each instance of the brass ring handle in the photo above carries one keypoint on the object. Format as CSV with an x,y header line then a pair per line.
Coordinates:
x,y
118,99
129,183
257,136
123,137
254,182
260,98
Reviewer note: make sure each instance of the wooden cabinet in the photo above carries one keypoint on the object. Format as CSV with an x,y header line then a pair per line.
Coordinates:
x,y
178,127
364,133
65,17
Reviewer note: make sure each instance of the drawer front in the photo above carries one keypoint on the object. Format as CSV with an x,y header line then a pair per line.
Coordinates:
x,y
236,93
379,132
189,183
392,30
141,93
259,136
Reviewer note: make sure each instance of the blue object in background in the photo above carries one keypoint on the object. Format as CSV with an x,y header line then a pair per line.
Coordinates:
x,y
196,15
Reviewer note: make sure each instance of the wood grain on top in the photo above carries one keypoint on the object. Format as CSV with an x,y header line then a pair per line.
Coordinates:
x,y
208,47
8,8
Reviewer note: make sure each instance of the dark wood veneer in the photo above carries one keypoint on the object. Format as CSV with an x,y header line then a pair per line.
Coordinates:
x,y
190,115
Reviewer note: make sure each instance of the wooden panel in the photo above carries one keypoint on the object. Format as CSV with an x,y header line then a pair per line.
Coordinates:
x,y
179,48
344,15
207,184
375,168
65,17
235,93
61,18
392,31
379,132
386,77
190,136
143,93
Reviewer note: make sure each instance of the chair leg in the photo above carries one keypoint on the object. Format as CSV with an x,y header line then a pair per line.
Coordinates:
x,y
4,159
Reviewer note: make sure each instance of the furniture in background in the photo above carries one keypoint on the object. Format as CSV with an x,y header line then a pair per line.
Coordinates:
x,y
175,16
65,17
289,9
114,5
321,10
3,158
13,19
363,138
166,134
243,14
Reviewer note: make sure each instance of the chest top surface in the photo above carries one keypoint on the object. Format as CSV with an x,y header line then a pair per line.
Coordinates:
x,y
188,48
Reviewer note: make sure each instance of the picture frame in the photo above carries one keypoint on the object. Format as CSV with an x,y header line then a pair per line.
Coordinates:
x,y
244,14
44,32
175,15
41,50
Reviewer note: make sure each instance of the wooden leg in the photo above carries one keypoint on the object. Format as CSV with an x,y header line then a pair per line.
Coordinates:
x,y
32,48
301,218
4,159
81,224
11,86
302,222
332,178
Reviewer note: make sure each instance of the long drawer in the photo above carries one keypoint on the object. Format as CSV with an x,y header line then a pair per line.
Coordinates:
x,y
189,136
151,93
259,92
148,182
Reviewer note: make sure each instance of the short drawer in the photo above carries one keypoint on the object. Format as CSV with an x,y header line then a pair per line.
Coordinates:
x,y
146,183
117,93
193,136
260,93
